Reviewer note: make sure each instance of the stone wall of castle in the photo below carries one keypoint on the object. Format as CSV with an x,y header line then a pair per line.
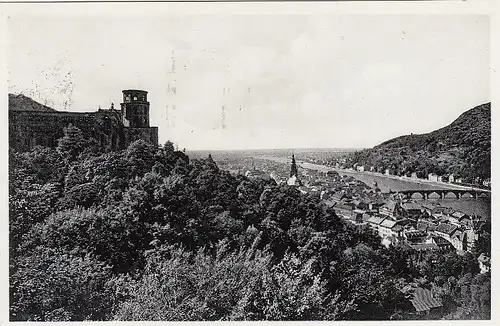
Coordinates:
x,y
30,128
149,134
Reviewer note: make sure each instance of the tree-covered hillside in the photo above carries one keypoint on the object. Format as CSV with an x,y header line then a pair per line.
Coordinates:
x,y
148,234
20,102
462,148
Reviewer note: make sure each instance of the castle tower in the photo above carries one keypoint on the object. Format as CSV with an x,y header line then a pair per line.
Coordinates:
x,y
135,108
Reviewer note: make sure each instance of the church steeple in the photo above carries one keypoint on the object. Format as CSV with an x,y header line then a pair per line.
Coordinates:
x,y
294,174
293,169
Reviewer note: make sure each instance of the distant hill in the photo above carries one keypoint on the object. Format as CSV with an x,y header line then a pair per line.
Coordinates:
x,y
462,148
24,103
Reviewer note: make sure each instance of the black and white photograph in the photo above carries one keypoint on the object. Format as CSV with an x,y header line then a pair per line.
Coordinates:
x,y
247,162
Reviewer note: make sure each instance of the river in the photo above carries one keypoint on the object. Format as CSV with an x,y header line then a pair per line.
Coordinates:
x,y
480,206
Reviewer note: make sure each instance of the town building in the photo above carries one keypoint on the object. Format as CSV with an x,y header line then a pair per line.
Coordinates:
x,y
457,217
442,243
446,231
432,177
357,217
391,209
374,222
411,209
389,229
413,236
425,302
254,174
421,248
426,226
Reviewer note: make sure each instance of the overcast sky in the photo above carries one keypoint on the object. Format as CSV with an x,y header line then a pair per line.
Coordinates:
x,y
293,81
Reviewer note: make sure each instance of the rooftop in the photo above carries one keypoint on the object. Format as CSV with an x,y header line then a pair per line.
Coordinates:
x,y
411,206
446,228
375,220
388,224
458,214
424,246
424,301
440,241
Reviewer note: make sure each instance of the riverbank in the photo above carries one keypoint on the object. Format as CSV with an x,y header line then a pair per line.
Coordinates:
x,y
386,183
323,168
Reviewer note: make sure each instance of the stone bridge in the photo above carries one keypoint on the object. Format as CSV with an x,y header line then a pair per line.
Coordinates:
x,y
443,193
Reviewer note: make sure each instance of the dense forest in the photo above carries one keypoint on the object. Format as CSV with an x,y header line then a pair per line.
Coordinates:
x,y
462,148
148,234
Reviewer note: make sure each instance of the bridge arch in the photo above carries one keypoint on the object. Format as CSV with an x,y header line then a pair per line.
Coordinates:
x,y
482,194
420,193
439,193
454,192
471,193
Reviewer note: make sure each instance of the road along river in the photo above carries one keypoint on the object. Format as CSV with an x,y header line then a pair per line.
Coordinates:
x,y
480,206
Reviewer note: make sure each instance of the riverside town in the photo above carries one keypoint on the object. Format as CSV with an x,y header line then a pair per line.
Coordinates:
x,y
288,166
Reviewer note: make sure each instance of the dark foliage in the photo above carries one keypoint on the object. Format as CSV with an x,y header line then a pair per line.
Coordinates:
x,y
462,148
147,234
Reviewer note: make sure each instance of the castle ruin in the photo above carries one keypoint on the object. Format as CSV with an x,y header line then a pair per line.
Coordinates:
x,y
34,124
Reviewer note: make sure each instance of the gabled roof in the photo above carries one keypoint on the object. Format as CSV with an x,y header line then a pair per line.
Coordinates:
x,y
388,223
390,206
423,300
375,220
415,233
459,215
411,206
440,241
446,228
466,222
426,225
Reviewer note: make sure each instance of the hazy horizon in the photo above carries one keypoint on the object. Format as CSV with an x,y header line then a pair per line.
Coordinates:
x,y
338,149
